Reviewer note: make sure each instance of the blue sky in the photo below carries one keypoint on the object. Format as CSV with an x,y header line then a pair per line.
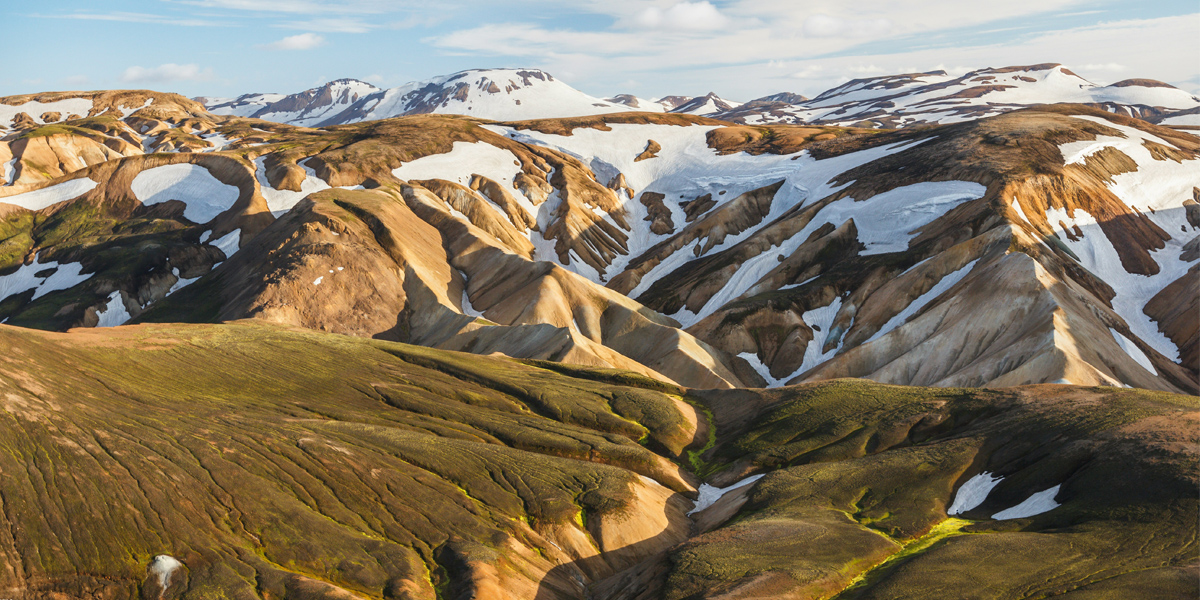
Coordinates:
x,y
740,49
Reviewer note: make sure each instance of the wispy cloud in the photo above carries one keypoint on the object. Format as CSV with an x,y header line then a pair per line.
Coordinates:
x,y
688,16
130,17
165,73
303,41
304,6
334,25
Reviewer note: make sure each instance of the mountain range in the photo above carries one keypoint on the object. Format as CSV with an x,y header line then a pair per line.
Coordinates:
x,y
488,336
889,102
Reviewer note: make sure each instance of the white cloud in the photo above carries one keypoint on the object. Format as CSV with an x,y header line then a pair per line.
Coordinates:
x,y
687,16
1112,67
77,81
331,25
131,17
303,41
827,26
166,73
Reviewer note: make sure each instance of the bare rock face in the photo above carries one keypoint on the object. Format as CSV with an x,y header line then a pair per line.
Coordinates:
x,y
657,213
651,151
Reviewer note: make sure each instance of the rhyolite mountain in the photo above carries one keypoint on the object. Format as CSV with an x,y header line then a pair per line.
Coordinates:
x,y
936,97
1052,244
890,101
486,93
442,356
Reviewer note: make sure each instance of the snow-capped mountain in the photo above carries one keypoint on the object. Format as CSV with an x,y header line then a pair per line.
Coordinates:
x,y
709,104
640,104
308,108
499,94
936,97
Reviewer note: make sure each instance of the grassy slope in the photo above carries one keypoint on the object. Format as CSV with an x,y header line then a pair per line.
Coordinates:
x,y
865,471
257,452
263,457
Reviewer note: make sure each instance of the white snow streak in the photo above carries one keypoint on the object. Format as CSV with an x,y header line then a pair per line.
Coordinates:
x,y
1036,504
1133,351
917,304
709,494
973,493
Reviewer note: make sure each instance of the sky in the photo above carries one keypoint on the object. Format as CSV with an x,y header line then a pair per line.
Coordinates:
x,y
740,49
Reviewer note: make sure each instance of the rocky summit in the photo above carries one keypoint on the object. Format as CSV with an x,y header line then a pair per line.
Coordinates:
x,y
488,336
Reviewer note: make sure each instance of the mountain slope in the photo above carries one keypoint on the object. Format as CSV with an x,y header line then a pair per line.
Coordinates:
x,y
935,97
501,94
307,108
168,461
684,248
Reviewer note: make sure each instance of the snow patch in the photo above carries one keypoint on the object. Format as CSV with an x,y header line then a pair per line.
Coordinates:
x,y
180,282
205,195
10,170
114,313
35,109
318,280
916,305
281,201
1036,504
973,493
1133,351
229,243
709,494
164,567
49,196
25,278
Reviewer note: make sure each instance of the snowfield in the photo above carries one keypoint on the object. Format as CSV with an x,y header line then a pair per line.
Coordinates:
x,y
42,277
1156,190
35,109
205,196
49,196
114,313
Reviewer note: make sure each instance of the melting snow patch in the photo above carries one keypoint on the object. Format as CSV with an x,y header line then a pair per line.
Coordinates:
x,y
229,243
1097,253
60,277
1036,504
205,196
164,567
1133,351
318,280
973,493
281,201
10,170
48,196
916,305
33,108
709,494
114,313
763,370
180,282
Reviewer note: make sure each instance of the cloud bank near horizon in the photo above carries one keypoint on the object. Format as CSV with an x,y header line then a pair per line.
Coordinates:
x,y
738,48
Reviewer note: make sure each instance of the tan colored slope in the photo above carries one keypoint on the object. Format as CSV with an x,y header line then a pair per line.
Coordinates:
x,y
394,264
510,290
1042,329
1015,156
